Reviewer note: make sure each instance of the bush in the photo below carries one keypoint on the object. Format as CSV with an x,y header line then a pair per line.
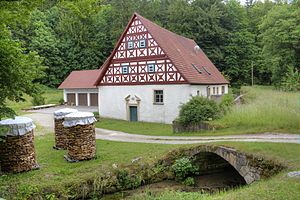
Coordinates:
x,y
61,101
198,109
189,181
183,167
226,103
291,81
38,99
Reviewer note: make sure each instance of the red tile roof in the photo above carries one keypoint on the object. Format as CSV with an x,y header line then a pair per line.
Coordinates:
x,y
81,79
182,53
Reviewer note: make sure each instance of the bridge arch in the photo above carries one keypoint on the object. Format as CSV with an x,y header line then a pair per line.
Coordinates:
x,y
250,167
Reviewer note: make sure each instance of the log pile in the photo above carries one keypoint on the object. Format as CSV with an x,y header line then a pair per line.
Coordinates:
x,y
81,142
17,153
61,134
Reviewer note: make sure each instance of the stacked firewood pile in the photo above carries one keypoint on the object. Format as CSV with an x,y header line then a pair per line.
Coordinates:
x,y
81,136
82,142
61,137
61,133
17,152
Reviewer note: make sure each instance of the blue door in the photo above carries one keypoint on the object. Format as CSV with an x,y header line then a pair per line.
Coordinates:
x,y
133,113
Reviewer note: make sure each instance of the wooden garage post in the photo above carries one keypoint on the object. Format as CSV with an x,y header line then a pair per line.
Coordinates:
x,y
76,98
88,99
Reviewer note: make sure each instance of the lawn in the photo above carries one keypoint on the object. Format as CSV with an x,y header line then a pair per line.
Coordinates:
x,y
265,109
52,96
57,174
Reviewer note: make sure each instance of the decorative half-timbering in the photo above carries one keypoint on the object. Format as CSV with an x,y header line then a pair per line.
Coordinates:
x,y
139,59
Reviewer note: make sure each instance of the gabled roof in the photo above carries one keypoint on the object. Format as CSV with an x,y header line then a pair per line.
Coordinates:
x,y
81,79
181,51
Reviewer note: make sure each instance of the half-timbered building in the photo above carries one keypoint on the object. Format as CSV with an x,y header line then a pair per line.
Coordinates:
x,y
151,72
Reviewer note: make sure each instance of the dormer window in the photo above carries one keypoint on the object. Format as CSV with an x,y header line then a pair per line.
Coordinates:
x,y
151,67
142,43
125,69
130,45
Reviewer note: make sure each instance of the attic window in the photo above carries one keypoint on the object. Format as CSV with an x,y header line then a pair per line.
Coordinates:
x,y
130,45
142,43
206,70
151,67
196,68
125,69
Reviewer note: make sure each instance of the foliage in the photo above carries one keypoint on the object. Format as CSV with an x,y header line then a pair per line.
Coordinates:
x,y
38,99
198,109
189,181
127,181
19,70
183,167
291,81
226,103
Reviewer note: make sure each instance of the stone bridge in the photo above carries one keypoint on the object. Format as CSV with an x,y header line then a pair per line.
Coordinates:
x,y
211,158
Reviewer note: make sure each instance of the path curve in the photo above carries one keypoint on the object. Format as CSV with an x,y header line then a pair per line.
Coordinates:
x,y
45,120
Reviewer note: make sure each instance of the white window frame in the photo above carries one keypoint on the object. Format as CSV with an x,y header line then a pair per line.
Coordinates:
x,y
160,98
130,44
145,43
149,66
125,67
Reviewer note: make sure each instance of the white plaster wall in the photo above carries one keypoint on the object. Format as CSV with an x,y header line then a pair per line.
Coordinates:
x,y
113,103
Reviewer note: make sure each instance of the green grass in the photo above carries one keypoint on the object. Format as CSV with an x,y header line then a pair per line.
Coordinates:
x,y
52,96
57,174
265,110
278,187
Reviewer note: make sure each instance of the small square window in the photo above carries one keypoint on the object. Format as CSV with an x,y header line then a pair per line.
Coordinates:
x,y
151,67
130,45
142,43
158,97
125,69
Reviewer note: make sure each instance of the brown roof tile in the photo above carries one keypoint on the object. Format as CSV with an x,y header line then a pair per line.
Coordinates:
x,y
81,79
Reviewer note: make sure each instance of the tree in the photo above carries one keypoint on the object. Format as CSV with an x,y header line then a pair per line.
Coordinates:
x,y
18,71
280,34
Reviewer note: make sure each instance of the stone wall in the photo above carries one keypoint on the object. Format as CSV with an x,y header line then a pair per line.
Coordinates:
x,y
81,142
17,153
180,128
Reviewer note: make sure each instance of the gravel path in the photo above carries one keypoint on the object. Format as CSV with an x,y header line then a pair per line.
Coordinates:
x,y
44,118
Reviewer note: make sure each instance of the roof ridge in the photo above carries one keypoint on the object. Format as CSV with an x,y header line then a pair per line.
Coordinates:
x,y
140,16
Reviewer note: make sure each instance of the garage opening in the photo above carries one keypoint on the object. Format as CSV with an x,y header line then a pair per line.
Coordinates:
x,y
71,99
82,99
94,99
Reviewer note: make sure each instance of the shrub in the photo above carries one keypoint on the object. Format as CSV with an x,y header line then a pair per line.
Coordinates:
x,y
198,109
189,181
226,103
183,167
127,181
38,99
61,101
291,81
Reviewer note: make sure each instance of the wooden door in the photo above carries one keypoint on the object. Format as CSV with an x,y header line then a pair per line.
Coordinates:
x,y
82,99
94,99
133,113
71,99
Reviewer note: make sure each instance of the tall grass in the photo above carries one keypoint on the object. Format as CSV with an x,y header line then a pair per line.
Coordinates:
x,y
266,109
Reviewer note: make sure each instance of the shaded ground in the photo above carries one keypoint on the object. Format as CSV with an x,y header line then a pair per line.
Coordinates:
x,y
204,183
44,118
